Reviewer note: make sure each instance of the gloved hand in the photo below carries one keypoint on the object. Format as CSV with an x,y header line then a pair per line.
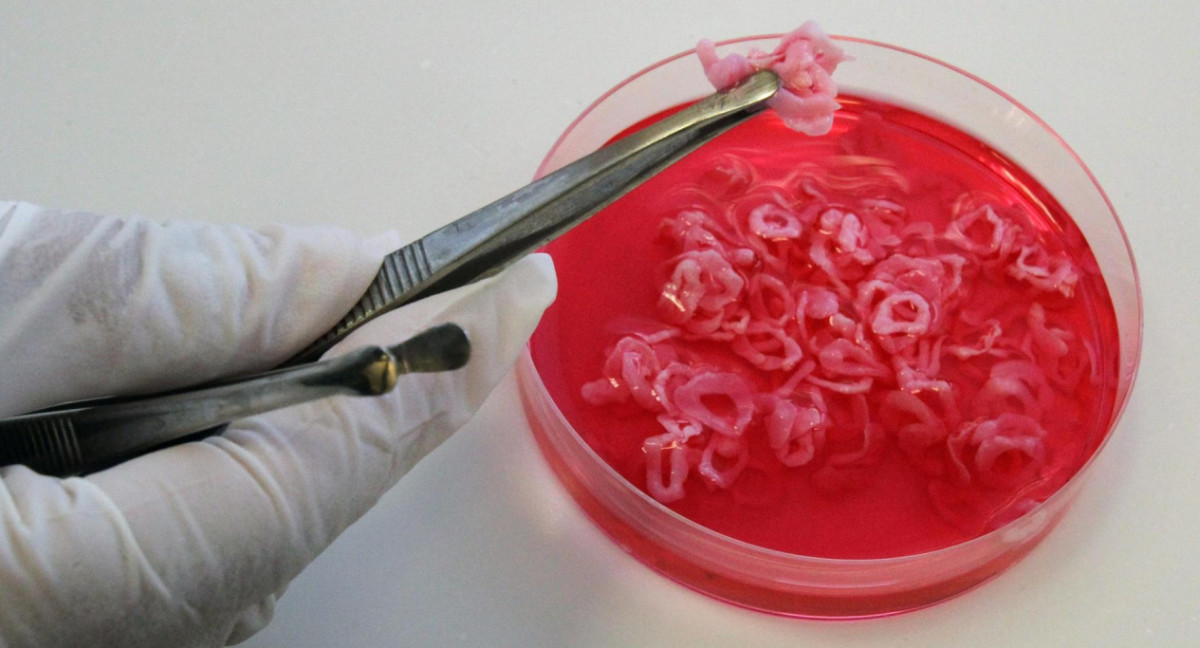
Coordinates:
x,y
190,545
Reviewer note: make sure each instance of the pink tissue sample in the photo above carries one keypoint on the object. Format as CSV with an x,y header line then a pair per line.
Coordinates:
x,y
804,60
881,341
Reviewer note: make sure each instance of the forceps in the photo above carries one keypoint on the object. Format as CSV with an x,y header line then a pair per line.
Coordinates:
x,y
89,435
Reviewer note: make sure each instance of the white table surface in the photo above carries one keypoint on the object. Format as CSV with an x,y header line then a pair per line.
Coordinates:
x,y
406,115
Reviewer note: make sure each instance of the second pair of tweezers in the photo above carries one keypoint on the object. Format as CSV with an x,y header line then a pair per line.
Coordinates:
x,y
85,436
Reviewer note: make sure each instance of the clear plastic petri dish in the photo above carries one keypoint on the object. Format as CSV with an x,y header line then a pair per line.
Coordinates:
x,y
742,571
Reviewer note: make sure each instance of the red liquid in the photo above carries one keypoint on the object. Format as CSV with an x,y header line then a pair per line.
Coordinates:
x,y
612,271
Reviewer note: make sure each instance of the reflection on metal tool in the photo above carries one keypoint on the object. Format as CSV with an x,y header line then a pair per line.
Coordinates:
x,y
83,437
87,436
489,239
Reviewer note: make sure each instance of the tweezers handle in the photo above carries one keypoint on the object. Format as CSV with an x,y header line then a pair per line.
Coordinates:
x,y
87,436
66,442
490,238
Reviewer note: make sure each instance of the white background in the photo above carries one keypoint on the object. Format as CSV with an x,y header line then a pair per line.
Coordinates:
x,y
405,115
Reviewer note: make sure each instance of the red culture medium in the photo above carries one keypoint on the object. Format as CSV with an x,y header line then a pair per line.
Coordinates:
x,y
878,342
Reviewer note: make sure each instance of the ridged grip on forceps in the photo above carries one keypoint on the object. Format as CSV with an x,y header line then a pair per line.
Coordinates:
x,y
402,271
50,447
489,238
86,436
82,438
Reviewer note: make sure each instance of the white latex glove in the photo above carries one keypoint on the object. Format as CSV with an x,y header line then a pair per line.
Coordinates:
x,y
189,546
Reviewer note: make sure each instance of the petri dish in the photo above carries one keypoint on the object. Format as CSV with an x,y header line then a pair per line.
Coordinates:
x,y
845,575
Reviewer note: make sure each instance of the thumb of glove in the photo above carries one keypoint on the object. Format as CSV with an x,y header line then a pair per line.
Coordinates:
x,y
183,547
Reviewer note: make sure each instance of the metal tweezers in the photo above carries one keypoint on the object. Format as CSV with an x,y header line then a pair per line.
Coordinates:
x,y
87,436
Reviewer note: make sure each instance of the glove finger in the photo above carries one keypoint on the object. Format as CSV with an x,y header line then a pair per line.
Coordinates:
x,y
98,305
200,533
423,412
